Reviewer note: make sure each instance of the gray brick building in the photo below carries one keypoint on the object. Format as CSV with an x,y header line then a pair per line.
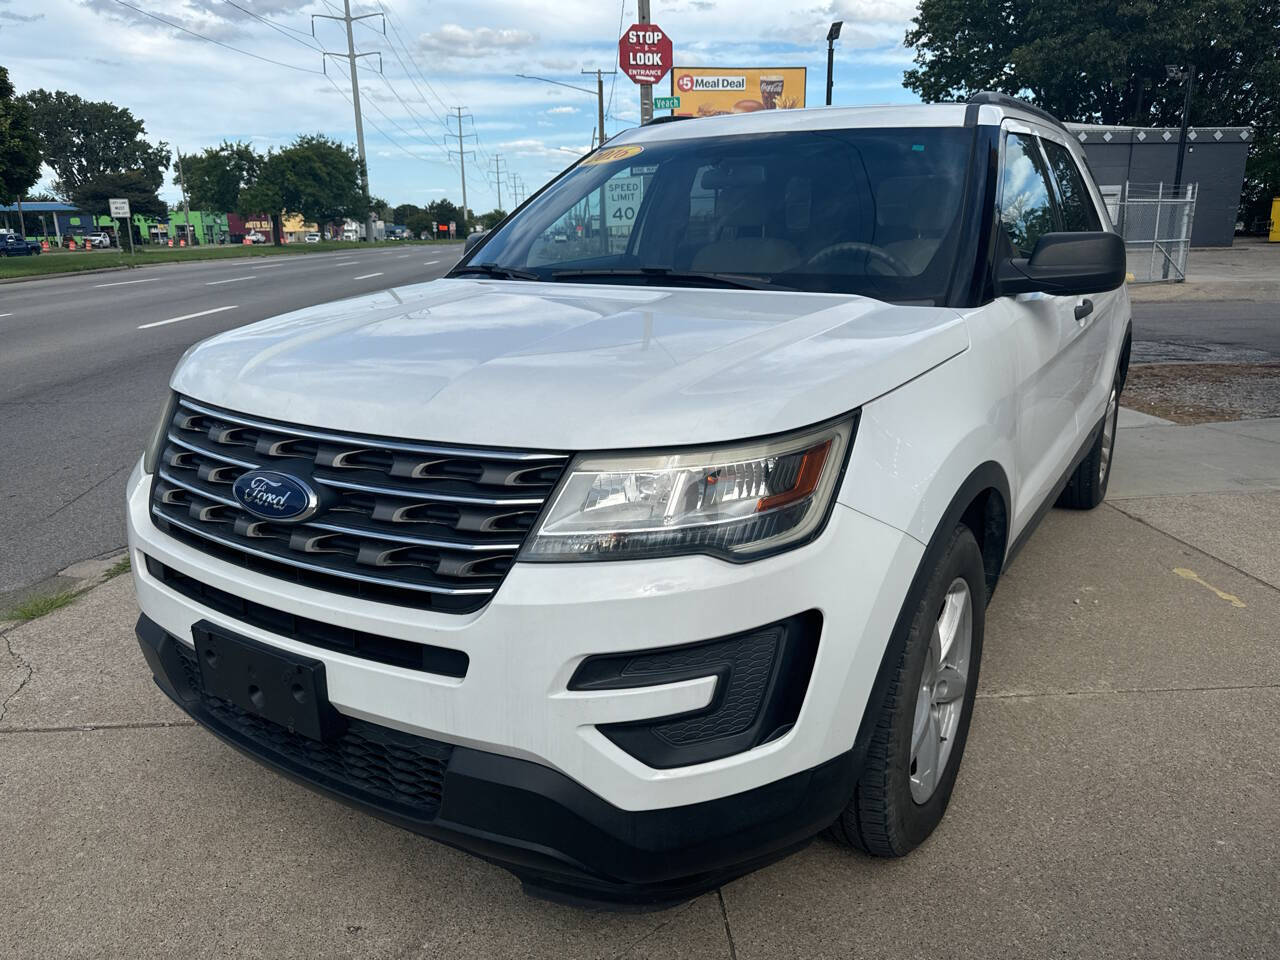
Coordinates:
x,y
1148,155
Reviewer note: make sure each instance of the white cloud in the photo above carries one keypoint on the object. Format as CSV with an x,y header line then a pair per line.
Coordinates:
x,y
452,40
563,110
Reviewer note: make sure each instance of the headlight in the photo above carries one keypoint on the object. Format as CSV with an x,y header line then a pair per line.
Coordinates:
x,y
151,455
738,502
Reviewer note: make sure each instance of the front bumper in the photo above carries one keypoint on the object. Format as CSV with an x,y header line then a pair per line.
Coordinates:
x,y
561,840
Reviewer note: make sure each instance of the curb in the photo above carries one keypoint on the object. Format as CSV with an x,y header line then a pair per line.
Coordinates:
x,y
76,579
73,273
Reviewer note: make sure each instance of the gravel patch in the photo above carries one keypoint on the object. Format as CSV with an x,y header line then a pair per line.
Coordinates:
x,y
1204,392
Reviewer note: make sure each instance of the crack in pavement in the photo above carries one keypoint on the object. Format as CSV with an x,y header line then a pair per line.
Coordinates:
x,y
91,727
671,919
728,933
23,664
1119,691
86,492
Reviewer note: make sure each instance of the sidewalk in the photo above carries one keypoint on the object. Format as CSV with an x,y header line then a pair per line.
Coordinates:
x,y
1247,270
1118,797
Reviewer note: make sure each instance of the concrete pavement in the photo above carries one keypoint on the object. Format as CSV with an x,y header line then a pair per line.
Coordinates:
x,y
1118,796
84,367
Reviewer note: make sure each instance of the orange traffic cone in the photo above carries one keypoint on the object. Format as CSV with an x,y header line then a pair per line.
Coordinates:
x,y
71,245
182,242
44,245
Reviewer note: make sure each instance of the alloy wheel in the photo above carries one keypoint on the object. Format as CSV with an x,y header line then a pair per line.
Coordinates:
x,y
943,683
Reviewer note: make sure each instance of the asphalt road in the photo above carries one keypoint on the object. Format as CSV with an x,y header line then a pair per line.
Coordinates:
x,y
1229,331
84,361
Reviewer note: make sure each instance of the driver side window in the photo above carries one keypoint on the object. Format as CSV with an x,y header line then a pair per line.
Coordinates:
x,y
1026,210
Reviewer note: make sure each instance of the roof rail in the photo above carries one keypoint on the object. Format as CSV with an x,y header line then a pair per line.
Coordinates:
x,y
666,119
1005,100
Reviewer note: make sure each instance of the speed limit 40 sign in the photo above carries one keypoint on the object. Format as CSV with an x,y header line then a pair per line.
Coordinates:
x,y
622,196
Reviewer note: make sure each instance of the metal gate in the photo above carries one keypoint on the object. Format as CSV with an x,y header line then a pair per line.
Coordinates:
x,y
1155,221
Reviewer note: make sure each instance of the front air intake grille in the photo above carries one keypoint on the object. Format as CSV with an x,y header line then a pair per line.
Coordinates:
x,y
375,764
414,524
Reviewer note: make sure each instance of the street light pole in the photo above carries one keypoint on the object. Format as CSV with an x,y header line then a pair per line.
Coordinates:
x,y
1189,77
832,36
186,208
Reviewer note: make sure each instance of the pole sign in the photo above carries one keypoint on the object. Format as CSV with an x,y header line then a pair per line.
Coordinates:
x,y
119,208
644,53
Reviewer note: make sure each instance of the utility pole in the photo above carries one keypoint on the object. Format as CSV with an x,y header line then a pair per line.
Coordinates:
x,y
599,99
351,57
186,207
646,89
1187,76
462,163
497,176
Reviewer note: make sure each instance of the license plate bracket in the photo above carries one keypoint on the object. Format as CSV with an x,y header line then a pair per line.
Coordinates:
x,y
277,685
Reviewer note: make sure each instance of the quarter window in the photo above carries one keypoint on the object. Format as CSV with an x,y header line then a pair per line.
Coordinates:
x,y
1078,212
1026,207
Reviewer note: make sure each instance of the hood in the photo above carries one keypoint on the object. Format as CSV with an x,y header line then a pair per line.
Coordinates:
x,y
570,366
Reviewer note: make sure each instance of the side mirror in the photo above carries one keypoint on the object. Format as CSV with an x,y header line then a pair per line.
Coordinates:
x,y
1066,263
471,241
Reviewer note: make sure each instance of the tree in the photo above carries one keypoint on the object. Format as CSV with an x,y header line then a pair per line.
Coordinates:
x,y
443,211
1096,61
84,140
492,218
315,178
401,214
19,146
135,186
215,178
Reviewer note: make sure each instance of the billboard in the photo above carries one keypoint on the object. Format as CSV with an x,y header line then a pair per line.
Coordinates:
x,y
707,91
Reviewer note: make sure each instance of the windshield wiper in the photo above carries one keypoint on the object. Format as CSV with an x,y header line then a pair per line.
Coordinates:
x,y
668,275
495,272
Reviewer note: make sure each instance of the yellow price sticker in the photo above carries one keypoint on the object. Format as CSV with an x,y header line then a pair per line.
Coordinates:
x,y
612,155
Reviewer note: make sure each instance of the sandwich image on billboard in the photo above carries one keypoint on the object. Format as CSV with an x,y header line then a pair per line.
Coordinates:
x,y
708,91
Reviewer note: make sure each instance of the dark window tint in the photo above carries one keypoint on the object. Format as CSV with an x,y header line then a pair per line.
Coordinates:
x,y
866,211
1078,212
1026,210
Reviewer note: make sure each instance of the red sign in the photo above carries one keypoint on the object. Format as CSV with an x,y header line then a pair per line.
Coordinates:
x,y
644,53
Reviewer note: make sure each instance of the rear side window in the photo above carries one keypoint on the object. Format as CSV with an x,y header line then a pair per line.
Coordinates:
x,y
1026,206
1078,212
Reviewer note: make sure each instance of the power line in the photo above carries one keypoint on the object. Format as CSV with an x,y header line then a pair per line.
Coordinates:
x,y
622,12
200,36
277,27
396,33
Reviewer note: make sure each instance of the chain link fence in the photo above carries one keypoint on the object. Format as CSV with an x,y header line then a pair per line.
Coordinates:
x,y
1155,221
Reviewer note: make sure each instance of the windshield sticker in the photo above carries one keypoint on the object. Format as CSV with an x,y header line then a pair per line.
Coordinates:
x,y
612,155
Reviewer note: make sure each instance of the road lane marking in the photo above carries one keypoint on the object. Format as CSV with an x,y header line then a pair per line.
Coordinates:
x,y
270,266
6,314
428,263
404,256
367,276
188,316
214,283
348,263
1222,595
121,283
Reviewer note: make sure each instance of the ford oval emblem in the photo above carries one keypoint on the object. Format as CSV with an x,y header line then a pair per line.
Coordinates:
x,y
275,496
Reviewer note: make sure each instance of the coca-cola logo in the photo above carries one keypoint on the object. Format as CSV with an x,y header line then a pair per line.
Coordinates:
x,y
275,496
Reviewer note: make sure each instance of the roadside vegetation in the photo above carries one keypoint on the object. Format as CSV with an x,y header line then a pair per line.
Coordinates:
x,y
65,261
34,607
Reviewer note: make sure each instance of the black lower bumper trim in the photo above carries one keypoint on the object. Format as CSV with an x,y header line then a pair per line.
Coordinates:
x,y
560,839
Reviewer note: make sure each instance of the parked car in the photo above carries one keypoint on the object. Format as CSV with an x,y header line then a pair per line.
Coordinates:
x,y
652,555
98,239
12,245
256,237
313,238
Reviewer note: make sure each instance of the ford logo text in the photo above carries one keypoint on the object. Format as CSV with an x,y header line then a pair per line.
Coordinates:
x,y
275,496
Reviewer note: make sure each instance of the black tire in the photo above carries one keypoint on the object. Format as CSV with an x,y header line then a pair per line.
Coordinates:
x,y
1088,484
883,819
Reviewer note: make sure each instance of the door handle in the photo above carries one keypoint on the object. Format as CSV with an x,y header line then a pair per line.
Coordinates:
x,y
1083,309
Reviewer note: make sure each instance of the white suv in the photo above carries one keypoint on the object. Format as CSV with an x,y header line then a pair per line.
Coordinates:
x,y
633,562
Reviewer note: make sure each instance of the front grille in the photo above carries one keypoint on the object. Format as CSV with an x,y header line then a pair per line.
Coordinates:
x,y
415,524
375,764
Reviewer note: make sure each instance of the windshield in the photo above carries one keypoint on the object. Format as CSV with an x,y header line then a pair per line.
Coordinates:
x,y
866,211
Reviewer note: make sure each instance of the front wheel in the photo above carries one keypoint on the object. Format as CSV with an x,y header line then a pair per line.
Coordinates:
x,y
1088,484
919,736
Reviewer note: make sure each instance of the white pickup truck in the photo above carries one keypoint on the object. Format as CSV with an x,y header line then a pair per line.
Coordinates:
x,y
632,563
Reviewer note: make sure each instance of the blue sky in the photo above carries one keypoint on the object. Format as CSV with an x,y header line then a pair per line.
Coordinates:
x,y
436,54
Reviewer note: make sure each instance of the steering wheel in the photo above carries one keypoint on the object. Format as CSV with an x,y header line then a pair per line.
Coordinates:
x,y
867,249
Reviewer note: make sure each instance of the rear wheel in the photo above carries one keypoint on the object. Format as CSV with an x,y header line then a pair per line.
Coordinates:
x,y
919,736
1088,484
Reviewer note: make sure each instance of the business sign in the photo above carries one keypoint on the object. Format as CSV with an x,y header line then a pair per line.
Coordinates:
x,y
644,53
666,103
622,196
118,208
708,91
